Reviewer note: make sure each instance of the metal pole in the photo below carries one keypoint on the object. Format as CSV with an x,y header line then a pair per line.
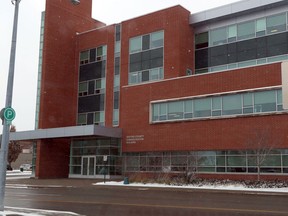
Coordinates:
x,y
9,93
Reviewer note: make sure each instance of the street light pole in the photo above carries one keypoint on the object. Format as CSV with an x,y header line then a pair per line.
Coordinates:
x,y
9,93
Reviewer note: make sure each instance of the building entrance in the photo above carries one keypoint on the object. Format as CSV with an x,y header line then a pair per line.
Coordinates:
x,y
88,165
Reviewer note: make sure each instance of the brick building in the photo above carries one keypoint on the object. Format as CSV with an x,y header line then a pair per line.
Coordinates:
x,y
168,91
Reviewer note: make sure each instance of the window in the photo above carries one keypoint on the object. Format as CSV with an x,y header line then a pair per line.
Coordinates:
x,y
225,105
135,44
276,23
175,110
202,107
82,119
83,88
201,40
260,27
146,58
247,103
84,57
157,39
232,33
232,104
218,36
246,30
216,106
188,109
265,101
99,118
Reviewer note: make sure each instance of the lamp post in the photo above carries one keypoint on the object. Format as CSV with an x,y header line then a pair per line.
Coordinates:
x,y
6,123
9,93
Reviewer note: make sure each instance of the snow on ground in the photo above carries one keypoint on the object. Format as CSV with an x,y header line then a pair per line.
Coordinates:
x,y
13,211
34,212
227,187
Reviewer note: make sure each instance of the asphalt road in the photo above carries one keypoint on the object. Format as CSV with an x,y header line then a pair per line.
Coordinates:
x,y
138,201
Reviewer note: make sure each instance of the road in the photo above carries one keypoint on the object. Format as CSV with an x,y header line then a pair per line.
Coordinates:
x,y
131,201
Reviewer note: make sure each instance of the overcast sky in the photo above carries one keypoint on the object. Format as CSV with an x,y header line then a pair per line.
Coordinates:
x,y
26,68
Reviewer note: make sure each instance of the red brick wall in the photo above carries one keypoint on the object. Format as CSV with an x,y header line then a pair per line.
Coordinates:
x,y
58,99
54,161
178,40
217,134
58,102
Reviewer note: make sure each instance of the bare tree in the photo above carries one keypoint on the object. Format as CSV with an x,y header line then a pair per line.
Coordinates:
x,y
260,144
14,149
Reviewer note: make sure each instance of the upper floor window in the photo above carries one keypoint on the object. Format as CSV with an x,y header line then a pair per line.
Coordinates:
x,y
146,58
242,31
145,42
93,55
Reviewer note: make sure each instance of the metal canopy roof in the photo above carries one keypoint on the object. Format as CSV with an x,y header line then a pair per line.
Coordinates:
x,y
67,132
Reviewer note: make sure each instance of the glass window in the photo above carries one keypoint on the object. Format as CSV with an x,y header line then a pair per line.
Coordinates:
x,y
261,27
236,161
218,36
175,110
84,57
276,23
99,51
279,100
247,103
155,108
116,80
117,46
202,107
163,111
232,33
216,106
201,40
145,42
265,101
232,104
83,87
133,78
99,117
246,30
145,76
135,44
157,39
188,109
154,74
82,119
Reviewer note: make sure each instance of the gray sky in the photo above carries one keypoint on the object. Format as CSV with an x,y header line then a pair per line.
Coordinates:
x,y
26,68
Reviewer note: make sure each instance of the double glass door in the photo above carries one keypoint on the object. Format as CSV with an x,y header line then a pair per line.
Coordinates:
x,y
88,165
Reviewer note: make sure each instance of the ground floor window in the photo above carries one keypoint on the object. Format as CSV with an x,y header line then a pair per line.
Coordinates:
x,y
92,157
207,161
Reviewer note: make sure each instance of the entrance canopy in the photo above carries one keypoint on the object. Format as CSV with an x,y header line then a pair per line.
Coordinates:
x,y
67,132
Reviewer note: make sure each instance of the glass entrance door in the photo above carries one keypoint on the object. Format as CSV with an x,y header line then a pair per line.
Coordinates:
x,y
88,165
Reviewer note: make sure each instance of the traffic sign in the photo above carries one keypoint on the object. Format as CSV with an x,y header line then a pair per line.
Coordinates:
x,y
9,114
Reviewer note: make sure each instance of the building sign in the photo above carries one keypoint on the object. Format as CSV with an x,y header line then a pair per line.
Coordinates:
x,y
134,139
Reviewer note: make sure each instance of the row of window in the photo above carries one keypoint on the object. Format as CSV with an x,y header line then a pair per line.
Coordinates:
x,y
242,64
92,87
146,75
97,118
242,31
225,105
93,55
146,42
207,161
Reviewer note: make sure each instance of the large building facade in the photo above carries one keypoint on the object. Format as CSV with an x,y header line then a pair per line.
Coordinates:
x,y
166,92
